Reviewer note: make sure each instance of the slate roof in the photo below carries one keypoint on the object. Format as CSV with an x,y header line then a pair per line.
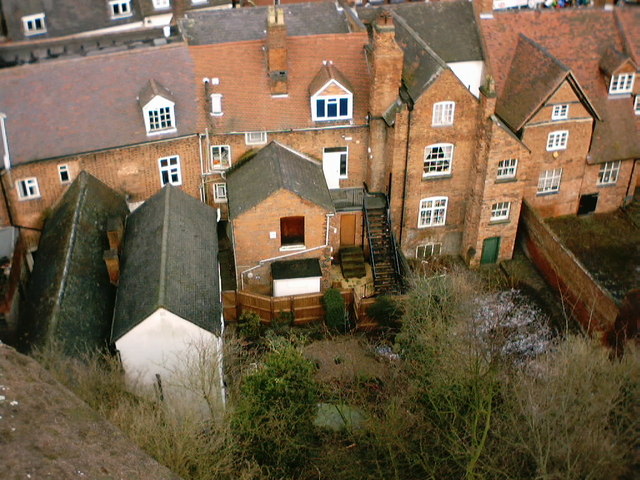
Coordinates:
x,y
87,104
70,298
63,17
170,261
246,95
274,168
578,38
304,268
205,27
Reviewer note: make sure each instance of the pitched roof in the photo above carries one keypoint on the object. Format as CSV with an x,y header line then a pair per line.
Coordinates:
x,y
578,38
326,73
70,298
246,95
205,27
169,261
152,89
628,20
533,77
85,104
64,17
273,168
612,60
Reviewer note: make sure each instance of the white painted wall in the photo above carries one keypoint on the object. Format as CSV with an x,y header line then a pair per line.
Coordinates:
x,y
187,358
296,286
159,20
470,74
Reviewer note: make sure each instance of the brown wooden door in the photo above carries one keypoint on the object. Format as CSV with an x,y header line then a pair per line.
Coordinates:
x,y
347,230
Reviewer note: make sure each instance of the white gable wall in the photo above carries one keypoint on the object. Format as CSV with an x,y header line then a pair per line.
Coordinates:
x,y
470,74
187,358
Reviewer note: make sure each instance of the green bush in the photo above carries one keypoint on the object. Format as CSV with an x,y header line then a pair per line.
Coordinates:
x,y
335,311
250,326
281,324
386,311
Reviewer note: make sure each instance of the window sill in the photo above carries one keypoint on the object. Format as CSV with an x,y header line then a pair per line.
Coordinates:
x,y
443,125
499,221
26,199
506,180
292,248
605,185
437,177
161,132
545,194
430,226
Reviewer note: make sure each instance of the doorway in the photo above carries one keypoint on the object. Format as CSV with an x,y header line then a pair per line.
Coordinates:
x,y
490,250
334,165
347,230
587,204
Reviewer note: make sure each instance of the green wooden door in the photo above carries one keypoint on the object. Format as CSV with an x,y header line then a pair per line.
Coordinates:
x,y
490,250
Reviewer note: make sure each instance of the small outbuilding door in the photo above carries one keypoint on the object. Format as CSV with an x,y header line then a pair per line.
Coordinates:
x,y
490,250
347,230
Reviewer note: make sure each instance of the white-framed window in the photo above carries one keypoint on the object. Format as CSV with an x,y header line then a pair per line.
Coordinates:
x,y
220,157
557,140
428,250
560,112
608,174
335,107
549,181
507,169
216,104
433,212
636,105
160,119
443,113
438,159
255,138
500,211
160,4
34,24
28,188
220,192
120,8
622,83
170,170
64,173
198,2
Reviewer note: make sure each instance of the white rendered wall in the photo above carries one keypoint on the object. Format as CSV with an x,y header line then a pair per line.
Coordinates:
x,y
296,286
470,74
187,358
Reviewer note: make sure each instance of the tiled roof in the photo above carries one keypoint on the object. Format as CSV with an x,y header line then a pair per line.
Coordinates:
x,y
578,38
70,298
274,168
628,20
206,27
247,102
328,72
169,261
64,17
152,89
612,60
86,104
534,75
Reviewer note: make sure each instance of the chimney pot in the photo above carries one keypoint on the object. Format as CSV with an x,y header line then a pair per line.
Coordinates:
x,y
115,233
112,260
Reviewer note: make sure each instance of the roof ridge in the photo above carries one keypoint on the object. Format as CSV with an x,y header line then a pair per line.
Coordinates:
x,y
164,247
419,41
544,50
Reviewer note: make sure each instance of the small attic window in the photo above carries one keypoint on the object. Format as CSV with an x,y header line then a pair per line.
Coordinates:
x,y
216,104
622,83
158,109
34,24
331,95
120,8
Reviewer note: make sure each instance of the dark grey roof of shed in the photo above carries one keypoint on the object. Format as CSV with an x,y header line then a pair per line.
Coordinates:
x,y
70,298
205,27
273,168
170,261
63,17
305,268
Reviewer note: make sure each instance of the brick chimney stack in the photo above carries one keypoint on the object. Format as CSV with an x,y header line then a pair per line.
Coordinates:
x,y
112,260
277,51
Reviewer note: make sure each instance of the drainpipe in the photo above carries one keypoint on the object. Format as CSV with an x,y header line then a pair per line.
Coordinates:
x,y
5,143
203,196
292,254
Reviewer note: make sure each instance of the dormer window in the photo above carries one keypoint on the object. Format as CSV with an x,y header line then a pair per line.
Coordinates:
x,y
34,24
216,104
157,109
331,95
120,8
622,83
161,4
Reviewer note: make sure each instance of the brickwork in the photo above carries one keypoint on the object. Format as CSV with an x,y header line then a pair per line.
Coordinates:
x,y
132,171
454,186
253,229
610,196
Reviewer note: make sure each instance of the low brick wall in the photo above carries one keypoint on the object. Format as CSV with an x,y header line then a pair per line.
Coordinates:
x,y
591,304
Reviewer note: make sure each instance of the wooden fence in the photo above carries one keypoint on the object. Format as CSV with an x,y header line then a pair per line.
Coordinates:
x,y
305,308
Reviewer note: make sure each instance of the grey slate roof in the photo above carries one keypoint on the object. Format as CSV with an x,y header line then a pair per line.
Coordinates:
x,y
170,261
85,104
304,268
273,168
64,17
70,298
205,27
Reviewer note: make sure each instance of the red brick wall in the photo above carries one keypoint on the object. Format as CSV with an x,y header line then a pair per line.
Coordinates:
x,y
456,186
252,242
132,171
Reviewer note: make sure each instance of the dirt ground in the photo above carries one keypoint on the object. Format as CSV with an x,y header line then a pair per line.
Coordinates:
x,y
46,432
